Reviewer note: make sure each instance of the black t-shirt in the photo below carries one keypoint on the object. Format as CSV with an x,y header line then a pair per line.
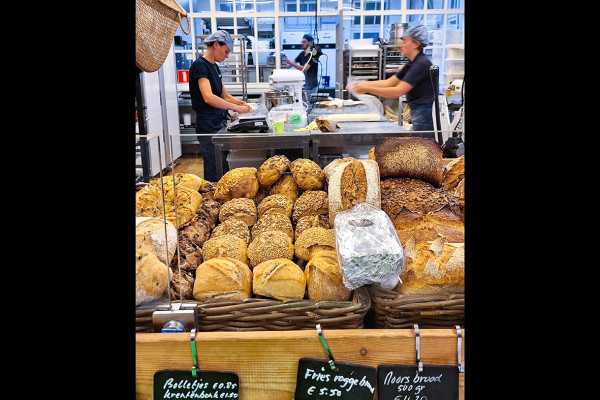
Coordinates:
x,y
416,73
310,75
207,116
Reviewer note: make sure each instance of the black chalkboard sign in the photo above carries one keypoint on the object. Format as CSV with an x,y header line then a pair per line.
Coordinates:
x,y
316,380
404,382
178,384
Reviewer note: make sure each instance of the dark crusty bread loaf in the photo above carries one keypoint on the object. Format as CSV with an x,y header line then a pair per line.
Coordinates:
x,y
417,208
409,157
433,267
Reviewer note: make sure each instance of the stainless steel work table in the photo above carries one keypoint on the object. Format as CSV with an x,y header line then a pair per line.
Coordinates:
x,y
258,141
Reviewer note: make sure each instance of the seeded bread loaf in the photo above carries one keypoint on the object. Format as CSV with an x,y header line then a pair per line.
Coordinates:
x,y
311,221
409,157
307,174
352,182
272,169
286,185
223,278
313,240
232,226
230,246
269,245
236,183
280,279
273,222
310,202
241,208
275,203
149,203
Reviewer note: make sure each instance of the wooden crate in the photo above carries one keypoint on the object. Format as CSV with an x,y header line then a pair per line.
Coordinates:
x,y
267,362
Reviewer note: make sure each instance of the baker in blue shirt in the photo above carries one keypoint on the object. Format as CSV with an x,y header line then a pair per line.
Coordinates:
x,y
413,80
210,99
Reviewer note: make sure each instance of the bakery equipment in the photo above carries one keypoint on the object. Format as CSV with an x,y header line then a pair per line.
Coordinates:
x,y
252,121
291,80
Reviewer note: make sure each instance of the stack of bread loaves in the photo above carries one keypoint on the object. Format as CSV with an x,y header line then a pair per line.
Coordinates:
x,y
418,194
272,220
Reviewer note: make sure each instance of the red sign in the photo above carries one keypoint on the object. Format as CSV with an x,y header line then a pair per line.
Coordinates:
x,y
183,76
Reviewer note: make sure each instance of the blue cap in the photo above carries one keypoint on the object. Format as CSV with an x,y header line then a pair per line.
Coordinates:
x,y
308,37
220,36
418,32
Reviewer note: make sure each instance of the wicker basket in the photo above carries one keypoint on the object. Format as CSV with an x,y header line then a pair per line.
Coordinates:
x,y
271,315
156,23
395,310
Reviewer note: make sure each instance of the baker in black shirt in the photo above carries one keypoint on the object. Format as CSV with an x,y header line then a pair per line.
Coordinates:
x,y
210,99
310,70
413,80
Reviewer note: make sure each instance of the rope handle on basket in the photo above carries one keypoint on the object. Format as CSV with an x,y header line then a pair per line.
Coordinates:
x,y
181,11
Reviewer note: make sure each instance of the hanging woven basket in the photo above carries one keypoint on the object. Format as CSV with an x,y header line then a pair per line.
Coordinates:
x,y
156,23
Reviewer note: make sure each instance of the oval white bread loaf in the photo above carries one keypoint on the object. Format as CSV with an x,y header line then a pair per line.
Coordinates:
x,y
352,182
151,275
279,278
156,228
223,278
435,267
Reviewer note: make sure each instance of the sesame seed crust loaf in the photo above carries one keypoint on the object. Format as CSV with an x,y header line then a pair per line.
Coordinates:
x,y
273,222
223,278
311,202
279,278
148,203
311,221
269,245
241,208
276,203
238,182
272,169
286,185
313,240
307,174
225,246
409,157
232,226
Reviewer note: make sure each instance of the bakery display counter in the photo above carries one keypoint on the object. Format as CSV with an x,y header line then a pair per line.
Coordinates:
x,y
225,142
267,362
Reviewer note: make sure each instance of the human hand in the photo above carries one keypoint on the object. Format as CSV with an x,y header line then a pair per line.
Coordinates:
x,y
243,109
356,87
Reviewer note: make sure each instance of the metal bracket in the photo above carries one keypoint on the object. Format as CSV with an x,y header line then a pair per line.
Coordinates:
x,y
460,364
418,347
179,317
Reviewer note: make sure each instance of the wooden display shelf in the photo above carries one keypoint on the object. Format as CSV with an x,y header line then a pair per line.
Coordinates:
x,y
266,361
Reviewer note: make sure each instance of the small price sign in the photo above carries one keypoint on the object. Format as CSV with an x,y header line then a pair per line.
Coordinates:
x,y
178,384
405,382
316,380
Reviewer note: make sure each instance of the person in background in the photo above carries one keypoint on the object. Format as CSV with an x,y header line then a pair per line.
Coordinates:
x,y
309,68
209,97
413,80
